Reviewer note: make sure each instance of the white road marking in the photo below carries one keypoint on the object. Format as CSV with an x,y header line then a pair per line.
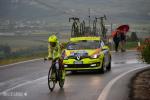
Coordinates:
x,y
23,84
105,91
21,62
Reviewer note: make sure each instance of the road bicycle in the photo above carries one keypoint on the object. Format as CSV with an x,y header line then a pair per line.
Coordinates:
x,y
56,74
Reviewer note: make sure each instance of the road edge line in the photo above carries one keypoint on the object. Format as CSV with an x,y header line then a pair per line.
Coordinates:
x,y
107,88
20,62
23,84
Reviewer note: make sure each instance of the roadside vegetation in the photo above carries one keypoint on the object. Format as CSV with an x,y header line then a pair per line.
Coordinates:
x,y
20,48
8,56
145,52
144,49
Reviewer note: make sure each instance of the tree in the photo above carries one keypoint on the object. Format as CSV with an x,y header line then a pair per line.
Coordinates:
x,y
5,49
133,36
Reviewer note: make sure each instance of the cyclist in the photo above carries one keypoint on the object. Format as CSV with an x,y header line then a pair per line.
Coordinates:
x,y
54,52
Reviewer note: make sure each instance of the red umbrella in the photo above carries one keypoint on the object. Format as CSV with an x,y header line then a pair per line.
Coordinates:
x,y
123,28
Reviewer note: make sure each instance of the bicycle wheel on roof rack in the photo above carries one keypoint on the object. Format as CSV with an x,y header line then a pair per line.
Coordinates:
x,y
75,29
94,28
82,28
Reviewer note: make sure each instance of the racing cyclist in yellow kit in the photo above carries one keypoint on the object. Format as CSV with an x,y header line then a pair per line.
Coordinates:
x,y
54,52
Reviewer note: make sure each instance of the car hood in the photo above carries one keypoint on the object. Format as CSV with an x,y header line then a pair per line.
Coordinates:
x,y
82,52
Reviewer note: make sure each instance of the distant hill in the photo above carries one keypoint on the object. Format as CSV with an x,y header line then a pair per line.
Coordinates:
x,y
21,9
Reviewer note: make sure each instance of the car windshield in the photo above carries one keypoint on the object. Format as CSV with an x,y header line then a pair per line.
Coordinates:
x,y
83,45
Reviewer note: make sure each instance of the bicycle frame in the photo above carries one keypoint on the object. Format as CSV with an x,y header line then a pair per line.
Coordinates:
x,y
56,70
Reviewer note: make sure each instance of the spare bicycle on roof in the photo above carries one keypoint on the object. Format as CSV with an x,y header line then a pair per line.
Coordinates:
x,y
80,29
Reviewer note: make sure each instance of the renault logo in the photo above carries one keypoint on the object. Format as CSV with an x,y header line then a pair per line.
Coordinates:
x,y
78,57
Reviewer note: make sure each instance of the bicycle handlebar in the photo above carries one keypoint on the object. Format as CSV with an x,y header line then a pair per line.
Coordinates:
x,y
104,17
74,19
50,59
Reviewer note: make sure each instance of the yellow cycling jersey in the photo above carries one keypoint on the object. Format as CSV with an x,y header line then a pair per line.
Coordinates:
x,y
54,52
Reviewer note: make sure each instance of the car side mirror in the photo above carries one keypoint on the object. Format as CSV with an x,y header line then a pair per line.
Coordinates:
x,y
105,48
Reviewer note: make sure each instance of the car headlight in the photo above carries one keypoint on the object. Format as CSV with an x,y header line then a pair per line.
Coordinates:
x,y
95,56
65,66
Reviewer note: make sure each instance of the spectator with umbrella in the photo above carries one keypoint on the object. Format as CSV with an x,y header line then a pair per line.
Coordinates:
x,y
116,39
120,36
123,30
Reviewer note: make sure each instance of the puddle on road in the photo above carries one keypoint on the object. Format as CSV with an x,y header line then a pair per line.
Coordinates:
x,y
125,58
131,61
119,62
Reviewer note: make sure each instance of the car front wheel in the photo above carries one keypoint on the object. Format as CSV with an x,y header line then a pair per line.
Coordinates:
x,y
102,70
109,66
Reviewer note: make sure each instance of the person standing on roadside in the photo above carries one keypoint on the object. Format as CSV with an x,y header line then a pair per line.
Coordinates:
x,y
116,39
123,40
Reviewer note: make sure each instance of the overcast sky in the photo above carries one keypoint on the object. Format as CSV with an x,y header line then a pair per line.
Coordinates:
x,y
116,10
135,11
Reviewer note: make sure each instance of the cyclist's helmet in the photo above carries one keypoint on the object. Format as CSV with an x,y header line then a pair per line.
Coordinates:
x,y
52,40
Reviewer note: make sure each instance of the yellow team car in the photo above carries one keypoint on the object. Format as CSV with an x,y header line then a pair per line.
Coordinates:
x,y
86,53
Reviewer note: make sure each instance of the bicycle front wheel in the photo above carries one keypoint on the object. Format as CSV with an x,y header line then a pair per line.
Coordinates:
x,y
51,79
61,78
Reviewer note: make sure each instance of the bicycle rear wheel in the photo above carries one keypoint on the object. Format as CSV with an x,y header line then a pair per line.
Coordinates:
x,y
51,79
82,28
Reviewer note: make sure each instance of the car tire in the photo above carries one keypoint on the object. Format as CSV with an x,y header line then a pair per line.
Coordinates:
x,y
73,72
109,66
102,70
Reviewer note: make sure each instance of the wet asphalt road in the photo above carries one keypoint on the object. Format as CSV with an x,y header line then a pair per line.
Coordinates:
x,y
28,81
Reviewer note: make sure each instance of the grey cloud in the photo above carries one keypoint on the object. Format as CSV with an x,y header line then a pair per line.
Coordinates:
x,y
121,10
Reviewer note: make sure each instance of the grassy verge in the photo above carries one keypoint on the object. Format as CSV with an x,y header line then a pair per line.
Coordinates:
x,y
131,45
128,46
21,58
146,54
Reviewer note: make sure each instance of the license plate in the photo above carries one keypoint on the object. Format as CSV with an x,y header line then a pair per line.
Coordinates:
x,y
78,62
